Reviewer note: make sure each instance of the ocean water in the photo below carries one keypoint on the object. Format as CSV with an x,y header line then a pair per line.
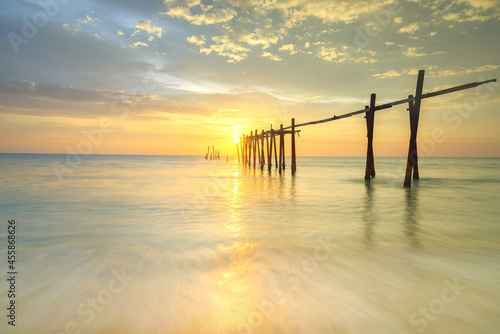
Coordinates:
x,y
171,244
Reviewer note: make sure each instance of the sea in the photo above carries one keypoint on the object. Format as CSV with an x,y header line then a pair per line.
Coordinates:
x,y
180,244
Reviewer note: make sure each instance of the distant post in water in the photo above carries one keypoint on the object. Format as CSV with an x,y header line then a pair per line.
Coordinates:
x,y
370,120
282,142
273,139
294,162
263,159
254,148
281,148
250,148
414,109
269,152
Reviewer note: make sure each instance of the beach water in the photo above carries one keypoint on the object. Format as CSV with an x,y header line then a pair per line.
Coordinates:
x,y
173,244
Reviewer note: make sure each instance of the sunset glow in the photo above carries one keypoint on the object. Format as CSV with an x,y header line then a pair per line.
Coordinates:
x,y
173,77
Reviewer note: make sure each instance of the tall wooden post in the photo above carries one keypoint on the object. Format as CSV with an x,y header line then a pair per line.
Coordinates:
x,y
257,144
263,159
282,142
281,148
414,108
294,162
254,147
273,139
370,120
250,148
269,152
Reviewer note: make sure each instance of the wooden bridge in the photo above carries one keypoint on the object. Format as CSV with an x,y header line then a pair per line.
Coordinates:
x,y
252,146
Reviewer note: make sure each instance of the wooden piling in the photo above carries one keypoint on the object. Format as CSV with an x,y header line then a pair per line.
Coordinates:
x,y
263,159
257,143
273,139
269,152
254,140
414,110
282,143
281,149
250,149
294,162
370,120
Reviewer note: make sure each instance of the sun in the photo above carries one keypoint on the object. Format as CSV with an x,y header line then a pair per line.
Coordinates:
x,y
236,140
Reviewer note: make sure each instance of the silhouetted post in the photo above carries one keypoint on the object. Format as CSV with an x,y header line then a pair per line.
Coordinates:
x,y
254,148
294,162
250,148
258,145
281,148
273,139
370,118
263,159
282,142
269,152
412,162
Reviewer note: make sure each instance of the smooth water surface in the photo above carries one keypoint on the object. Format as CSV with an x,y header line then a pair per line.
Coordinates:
x,y
169,244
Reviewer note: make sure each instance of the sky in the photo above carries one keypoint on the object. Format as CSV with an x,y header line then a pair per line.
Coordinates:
x,y
175,76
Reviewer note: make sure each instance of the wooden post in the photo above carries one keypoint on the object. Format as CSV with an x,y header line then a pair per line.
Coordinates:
x,y
412,162
250,148
263,159
294,162
269,152
254,148
258,145
274,144
282,142
281,148
370,119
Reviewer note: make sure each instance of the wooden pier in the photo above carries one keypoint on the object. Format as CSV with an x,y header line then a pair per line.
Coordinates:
x,y
253,145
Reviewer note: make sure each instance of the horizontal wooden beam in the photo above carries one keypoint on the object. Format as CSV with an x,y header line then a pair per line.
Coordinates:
x,y
395,103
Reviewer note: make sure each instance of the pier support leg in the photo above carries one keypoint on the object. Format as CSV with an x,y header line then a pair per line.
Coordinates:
x,y
269,152
414,109
250,149
294,162
254,148
281,149
273,139
262,159
370,120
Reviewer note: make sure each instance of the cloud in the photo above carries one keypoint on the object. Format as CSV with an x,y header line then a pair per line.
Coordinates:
x,y
137,44
119,33
414,52
146,26
98,37
209,15
198,40
290,48
329,54
269,55
388,74
225,47
409,29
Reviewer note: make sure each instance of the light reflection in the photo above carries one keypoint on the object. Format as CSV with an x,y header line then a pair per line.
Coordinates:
x,y
235,284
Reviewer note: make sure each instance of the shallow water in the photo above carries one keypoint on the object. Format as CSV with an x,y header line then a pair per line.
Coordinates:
x,y
168,244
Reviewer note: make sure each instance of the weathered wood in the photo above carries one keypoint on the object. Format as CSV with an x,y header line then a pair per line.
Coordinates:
x,y
294,162
269,153
414,118
254,140
281,148
395,103
257,144
250,146
263,159
282,142
273,138
370,120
